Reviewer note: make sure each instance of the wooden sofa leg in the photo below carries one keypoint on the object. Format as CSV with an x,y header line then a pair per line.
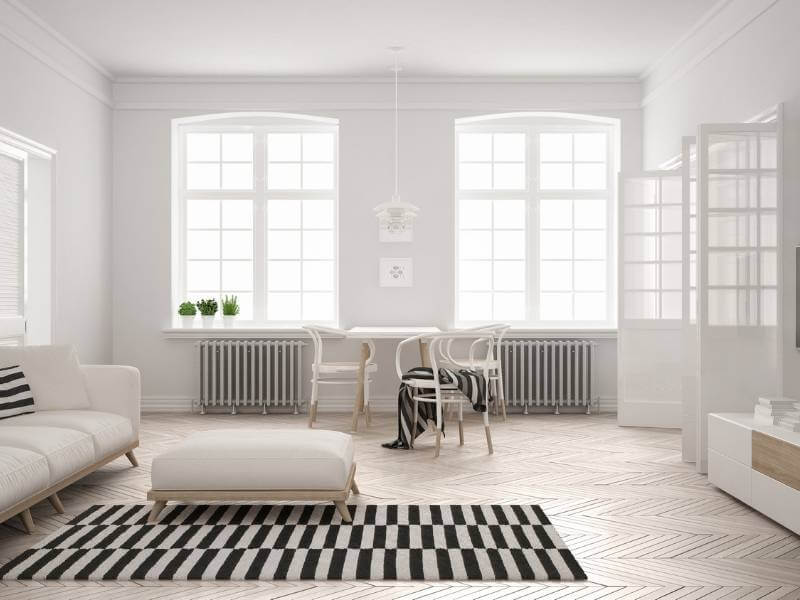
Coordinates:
x,y
158,506
343,511
132,457
27,520
56,502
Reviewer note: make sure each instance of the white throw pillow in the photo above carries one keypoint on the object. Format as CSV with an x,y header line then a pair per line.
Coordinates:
x,y
53,373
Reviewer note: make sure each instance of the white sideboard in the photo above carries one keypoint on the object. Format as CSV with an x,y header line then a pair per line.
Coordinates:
x,y
758,464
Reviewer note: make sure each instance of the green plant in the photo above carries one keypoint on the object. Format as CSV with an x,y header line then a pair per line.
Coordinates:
x,y
187,309
230,306
208,307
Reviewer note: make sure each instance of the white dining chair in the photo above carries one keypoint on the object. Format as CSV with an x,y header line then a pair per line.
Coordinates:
x,y
442,394
490,366
339,373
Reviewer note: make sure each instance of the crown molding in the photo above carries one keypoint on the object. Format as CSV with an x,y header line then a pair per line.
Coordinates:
x,y
751,11
477,80
48,60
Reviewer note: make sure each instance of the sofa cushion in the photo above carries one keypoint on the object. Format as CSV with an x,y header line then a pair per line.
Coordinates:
x,y
22,474
53,373
15,393
256,459
66,450
110,432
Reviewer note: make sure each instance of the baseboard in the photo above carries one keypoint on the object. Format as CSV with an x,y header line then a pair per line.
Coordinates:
x,y
647,413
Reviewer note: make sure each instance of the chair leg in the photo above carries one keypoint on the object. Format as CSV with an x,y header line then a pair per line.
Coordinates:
x,y
488,432
55,501
367,414
501,396
27,521
438,443
312,406
132,458
343,511
414,424
158,506
460,424
439,423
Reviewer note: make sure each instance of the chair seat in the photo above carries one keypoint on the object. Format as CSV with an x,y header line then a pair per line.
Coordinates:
x,y
344,367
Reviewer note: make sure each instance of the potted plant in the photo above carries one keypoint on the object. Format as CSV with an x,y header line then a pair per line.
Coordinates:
x,y
187,311
230,309
208,308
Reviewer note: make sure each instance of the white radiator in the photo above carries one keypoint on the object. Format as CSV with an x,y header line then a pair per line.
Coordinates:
x,y
549,373
249,373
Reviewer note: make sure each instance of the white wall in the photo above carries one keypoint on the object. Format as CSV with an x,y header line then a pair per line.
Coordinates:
x,y
741,64
49,94
142,304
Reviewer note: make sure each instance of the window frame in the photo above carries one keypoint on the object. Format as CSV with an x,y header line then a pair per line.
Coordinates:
x,y
532,194
260,125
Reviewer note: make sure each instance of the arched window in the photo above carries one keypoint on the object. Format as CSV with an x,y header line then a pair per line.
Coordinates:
x,y
535,220
255,215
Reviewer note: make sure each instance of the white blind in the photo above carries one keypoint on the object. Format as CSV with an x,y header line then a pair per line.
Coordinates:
x,y
11,236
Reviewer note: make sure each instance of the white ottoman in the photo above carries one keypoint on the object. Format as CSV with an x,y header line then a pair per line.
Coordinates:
x,y
256,465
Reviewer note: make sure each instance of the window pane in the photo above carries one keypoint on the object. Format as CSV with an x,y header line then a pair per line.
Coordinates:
x,y
317,147
202,147
475,275
590,214
509,244
283,307
318,306
474,147
237,176
475,214
555,214
202,244
590,147
245,301
590,176
671,305
283,275
509,176
283,147
318,244
317,176
283,244
202,275
590,275
722,307
555,307
555,176
769,191
475,176
769,151
640,305
237,244
671,190
509,147
474,306
769,307
640,247
318,214
769,268
671,219
237,147
202,176
769,230
554,147
555,244
723,268
283,214
590,307
509,214
671,276
237,214
318,275
283,176
202,214
590,244
671,247
640,219
639,277
237,275
475,244
509,275
509,307
555,275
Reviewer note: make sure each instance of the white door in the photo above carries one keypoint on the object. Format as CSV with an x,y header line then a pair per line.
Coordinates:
x,y
12,246
738,269
689,382
651,302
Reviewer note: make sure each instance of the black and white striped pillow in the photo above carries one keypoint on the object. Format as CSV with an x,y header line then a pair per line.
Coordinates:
x,y
15,393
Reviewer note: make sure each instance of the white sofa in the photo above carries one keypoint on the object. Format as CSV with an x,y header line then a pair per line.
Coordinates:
x,y
45,451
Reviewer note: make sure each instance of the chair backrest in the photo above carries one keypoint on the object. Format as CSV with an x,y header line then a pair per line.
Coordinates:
x,y
439,342
316,332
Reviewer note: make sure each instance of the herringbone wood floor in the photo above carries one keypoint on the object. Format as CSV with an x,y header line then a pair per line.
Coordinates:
x,y
643,524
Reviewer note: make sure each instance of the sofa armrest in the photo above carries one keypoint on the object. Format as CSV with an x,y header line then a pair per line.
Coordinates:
x,y
115,389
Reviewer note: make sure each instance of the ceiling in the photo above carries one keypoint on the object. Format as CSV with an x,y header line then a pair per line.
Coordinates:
x,y
348,38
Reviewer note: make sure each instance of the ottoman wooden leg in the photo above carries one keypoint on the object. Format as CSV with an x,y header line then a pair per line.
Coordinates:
x,y
158,506
56,502
344,511
27,520
354,487
132,458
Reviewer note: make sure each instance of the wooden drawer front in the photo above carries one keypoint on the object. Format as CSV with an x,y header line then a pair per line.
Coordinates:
x,y
729,475
729,439
779,502
777,459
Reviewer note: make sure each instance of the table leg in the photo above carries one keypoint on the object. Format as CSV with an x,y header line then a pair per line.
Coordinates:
x,y
359,403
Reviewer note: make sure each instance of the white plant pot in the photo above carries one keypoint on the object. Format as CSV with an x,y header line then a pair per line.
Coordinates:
x,y
228,320
208,321
187,321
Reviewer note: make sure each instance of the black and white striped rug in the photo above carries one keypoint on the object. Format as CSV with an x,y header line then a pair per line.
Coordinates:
x,y
269,542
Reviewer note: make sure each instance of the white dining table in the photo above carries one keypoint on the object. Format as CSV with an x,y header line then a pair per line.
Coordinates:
x,y
368,335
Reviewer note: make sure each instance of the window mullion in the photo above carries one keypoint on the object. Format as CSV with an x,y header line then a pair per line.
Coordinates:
x,y
260,228
533,226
